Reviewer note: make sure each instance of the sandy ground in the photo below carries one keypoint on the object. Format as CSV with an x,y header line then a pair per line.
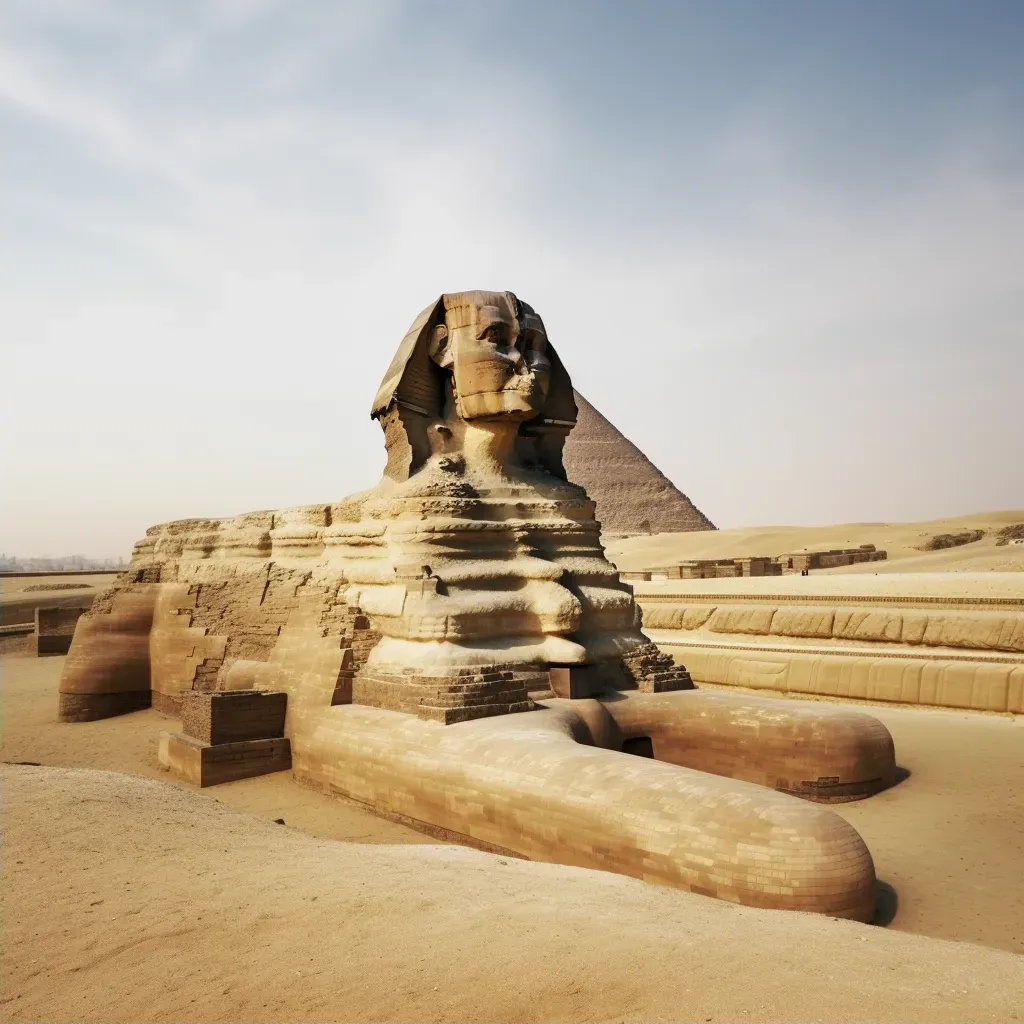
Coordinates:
x,y
902,541
21,595
13,587
131,898
128,743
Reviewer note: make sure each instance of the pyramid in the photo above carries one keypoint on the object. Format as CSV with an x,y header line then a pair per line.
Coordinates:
x,y
632,494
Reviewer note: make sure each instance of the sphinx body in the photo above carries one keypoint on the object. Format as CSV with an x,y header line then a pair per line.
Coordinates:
x,y
415,628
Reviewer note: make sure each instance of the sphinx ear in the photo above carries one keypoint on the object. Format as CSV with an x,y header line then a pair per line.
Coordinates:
x,y
439,348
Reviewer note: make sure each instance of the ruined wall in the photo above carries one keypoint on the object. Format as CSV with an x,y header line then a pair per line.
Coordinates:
x,y
54,628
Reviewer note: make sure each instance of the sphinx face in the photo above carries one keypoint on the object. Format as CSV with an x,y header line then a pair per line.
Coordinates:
x,y
498,359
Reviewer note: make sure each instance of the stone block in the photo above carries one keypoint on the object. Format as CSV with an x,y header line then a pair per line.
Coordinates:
x,y
230,716
573,681
54,628
460,695
87,707
203,764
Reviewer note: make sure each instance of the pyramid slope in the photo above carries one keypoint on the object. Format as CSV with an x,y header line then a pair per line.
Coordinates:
x,y
632,494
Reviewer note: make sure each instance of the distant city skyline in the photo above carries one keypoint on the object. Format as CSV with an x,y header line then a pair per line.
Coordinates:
x,y
778,245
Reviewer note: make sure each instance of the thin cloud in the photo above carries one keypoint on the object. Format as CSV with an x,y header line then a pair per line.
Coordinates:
x,y
785,348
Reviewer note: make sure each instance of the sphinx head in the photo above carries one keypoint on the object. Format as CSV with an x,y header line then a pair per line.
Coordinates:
x,y
475,358
496,349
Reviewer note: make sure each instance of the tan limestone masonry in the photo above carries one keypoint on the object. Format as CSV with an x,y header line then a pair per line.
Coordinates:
x,y
947,651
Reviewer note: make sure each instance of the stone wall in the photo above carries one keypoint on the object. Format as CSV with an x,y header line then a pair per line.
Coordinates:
x,y
54,628
949,653
20,608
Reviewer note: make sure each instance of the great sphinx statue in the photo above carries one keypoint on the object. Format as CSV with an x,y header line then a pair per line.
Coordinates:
x,y
458,653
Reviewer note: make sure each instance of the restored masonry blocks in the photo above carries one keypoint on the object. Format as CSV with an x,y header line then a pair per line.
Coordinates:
x,y
203,764
227,736
453,648
232,716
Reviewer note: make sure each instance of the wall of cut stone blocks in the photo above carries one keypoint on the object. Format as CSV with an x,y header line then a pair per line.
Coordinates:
x,y
228,717
969,685
946,653
20,608
226,737
759,565
968,629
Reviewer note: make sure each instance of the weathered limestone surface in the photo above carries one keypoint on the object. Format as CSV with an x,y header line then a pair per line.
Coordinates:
x,y
416,631
925,650
107,671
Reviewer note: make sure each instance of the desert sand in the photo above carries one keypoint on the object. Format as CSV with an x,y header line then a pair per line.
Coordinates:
x,y
21,595
16,587
130,898
902,541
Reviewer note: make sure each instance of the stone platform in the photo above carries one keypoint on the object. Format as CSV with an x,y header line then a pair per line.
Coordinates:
x,y
227,736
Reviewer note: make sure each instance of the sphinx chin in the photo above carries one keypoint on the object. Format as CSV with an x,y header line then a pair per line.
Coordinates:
x,y
456,650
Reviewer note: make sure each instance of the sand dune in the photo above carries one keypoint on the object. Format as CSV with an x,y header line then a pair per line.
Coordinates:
x,y
131,899
129,744
902,541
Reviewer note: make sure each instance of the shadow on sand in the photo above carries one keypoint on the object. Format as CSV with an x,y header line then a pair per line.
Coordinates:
x,y
887,906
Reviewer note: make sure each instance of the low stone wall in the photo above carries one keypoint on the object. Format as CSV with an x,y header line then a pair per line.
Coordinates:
x,y
972,685
15,639
54,628
969,629
956,652
18,609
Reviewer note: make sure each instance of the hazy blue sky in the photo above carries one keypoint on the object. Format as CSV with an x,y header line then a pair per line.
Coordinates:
x,y
779,244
